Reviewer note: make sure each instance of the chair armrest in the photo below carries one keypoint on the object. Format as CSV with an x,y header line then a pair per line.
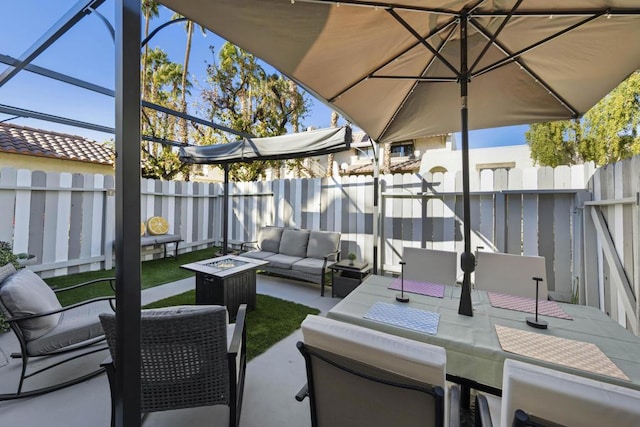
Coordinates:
x,y
482,414
239,332
337,253
454,406
326,259
243,245
60,310
111,280
304,392
106,362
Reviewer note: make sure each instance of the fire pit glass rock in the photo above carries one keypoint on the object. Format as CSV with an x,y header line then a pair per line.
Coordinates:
x,y
225,264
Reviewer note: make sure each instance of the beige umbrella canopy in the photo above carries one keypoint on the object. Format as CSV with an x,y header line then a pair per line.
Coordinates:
x,y
415,68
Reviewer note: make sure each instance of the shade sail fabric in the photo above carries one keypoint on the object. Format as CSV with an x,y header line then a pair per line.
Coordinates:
x,y
551,60
293,145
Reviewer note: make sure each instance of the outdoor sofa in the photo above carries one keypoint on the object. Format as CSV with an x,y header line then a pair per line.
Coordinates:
x,y
296,253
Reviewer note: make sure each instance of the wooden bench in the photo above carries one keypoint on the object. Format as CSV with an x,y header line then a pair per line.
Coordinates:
x,y
161,239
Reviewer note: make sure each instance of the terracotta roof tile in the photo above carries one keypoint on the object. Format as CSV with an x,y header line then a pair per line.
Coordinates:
x,y
37,142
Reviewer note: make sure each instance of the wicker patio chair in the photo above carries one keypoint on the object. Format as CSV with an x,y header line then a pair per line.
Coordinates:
x,y
44,329
190,357
360,377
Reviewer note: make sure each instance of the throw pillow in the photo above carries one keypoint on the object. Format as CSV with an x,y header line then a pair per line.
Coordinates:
x,y
26,293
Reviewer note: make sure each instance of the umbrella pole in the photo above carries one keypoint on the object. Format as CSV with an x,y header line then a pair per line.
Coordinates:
x,y
467,259
225,208
376,212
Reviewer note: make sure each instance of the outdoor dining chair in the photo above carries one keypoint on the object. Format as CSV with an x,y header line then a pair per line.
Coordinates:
x,y
536,396
190,357
430,265
46,330
510,274
360,377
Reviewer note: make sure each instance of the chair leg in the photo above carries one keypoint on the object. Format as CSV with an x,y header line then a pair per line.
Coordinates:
x,y
25,360
111,373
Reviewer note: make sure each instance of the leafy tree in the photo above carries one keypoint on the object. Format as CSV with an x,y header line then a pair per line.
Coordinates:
x,y
243,96
163,80
611,126
554,143
607,133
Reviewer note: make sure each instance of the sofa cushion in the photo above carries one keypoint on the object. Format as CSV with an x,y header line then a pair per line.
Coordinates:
x,y
282,261
258,254
294,242
269,239
310,265
321,243
26,293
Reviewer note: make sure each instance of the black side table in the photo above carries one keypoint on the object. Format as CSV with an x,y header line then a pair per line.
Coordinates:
x,y
346,276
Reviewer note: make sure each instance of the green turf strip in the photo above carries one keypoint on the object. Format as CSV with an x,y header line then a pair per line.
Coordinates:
x,y
155,272
272,320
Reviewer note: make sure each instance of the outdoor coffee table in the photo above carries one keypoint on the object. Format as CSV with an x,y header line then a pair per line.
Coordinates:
x,y
228,280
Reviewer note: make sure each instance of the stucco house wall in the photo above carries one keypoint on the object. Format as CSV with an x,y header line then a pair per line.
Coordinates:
x,y
450,160
20,161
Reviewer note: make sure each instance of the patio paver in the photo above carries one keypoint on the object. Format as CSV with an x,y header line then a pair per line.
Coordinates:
x,y
273,378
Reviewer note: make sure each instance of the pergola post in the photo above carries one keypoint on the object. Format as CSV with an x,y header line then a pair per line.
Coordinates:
x,y
127,246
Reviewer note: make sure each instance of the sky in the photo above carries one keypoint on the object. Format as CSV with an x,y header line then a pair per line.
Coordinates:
x,y
87,52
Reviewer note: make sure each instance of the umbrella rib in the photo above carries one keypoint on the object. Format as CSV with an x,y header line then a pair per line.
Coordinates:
x,y
560,12
514,57
375,5
452,21
495,36
418,78
423,41
511,57
413,87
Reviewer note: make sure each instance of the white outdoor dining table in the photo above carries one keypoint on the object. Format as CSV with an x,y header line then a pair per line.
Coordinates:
x,y
473,349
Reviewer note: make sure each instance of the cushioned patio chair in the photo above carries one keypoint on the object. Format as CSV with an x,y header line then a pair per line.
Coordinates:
x,y
44,328
510,274
430,265
360,377
190,357
536,396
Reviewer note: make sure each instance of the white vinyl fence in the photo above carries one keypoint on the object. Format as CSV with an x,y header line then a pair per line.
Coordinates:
x,y
612,241
67,220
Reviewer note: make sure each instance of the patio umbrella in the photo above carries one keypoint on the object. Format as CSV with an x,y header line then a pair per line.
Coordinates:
x,y
414,68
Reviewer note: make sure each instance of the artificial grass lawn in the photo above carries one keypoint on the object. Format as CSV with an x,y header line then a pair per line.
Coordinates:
x,y
155,272
272,320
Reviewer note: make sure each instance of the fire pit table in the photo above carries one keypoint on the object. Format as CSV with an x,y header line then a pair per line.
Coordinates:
x,y
228,280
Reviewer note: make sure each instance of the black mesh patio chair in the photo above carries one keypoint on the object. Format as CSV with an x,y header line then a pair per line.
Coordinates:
x,y
190,357
44,329
361,377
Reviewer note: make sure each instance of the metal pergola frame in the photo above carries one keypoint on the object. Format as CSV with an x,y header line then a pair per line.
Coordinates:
x,y
128,105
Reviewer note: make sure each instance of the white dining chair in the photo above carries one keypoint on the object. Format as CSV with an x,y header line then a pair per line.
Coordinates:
x,y
357,376
533,395
510,274
430,265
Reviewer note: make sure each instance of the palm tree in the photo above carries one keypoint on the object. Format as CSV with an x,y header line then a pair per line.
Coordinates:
x,y
150,10
185,72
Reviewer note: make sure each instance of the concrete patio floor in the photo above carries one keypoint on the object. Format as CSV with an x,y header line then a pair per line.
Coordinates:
x,y
272,379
